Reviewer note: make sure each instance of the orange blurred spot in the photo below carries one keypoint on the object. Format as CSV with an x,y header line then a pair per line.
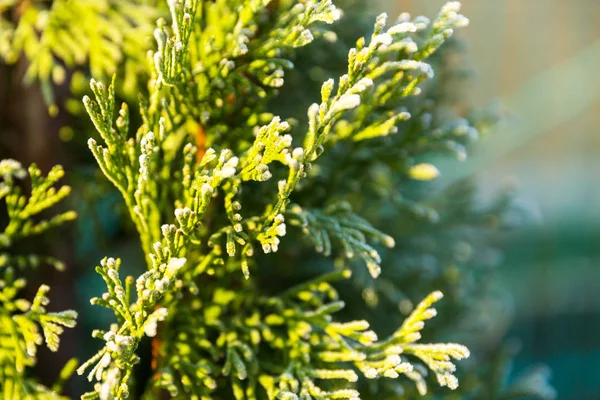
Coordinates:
x,y
231,98
200,143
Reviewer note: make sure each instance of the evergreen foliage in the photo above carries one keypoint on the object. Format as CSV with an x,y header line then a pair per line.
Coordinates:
x,y
232,194
192,73
21,319
100,34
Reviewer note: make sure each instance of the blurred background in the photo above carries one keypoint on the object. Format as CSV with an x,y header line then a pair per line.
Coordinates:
x,y
539,59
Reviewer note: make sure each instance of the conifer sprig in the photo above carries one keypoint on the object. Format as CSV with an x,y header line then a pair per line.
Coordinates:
x,y
317,358
364,64
22,210
21,319
337,223
114,363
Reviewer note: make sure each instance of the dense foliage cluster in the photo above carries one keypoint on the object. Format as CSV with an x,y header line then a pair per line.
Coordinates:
x,y
270,234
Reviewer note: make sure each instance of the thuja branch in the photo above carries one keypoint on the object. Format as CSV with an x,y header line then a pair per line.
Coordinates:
x,y
21,319
183,158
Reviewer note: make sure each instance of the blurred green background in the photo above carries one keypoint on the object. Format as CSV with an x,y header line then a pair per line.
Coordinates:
x,y
541,60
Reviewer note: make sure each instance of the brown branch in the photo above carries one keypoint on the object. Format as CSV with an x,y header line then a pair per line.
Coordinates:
x,y
200,143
